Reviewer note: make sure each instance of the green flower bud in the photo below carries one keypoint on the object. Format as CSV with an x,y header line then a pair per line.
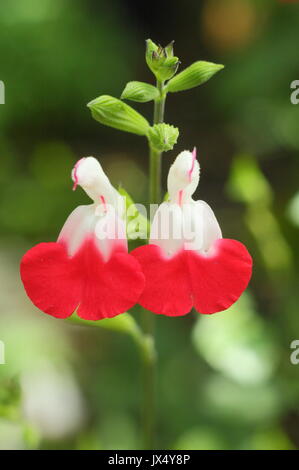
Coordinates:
x,y
161,60
115,113
197,74
163,137
139,91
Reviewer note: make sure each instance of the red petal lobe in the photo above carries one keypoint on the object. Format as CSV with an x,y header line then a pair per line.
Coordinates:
x,y
211,283
58,284
218,280
167,286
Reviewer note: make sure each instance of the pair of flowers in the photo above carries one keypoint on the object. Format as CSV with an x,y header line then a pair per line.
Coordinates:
x,y
186,264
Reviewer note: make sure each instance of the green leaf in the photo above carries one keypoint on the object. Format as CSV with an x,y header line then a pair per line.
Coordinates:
x,y
161,60
140,92
137,223
123,323
115,113
163,137
194,75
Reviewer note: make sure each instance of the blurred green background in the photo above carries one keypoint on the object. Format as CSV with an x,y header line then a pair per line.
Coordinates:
x,y
224,381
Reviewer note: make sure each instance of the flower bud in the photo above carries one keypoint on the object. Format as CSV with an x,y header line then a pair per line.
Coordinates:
x,y
115,113
161,60
194,75
163,137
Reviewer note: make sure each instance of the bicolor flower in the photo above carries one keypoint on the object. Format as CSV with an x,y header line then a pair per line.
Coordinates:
x,y
88,269
188,263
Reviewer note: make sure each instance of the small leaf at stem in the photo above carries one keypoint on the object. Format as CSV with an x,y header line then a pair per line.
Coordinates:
x,y
140,92
194,75
115,113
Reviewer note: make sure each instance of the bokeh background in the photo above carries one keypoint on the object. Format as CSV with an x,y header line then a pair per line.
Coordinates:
x,y
225,381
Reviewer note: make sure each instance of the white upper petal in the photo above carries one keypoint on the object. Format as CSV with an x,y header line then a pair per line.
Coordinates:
x,y
183,177
191,226
211,227
102,221
106,229
110,233
184,223
88,173
167,228
201,226
77,227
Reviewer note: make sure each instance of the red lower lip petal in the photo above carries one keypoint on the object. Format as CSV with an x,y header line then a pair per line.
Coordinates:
x,y
209,283
58,284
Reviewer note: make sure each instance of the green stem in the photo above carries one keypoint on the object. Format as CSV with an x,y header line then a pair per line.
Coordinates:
x,y
155,157
149,357
148,392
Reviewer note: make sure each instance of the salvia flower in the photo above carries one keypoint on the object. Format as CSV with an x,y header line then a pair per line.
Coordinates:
x,y
188,263
88,269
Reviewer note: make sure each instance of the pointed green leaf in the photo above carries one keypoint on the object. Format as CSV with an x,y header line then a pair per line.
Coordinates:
x,y
140,92
115,113
197,74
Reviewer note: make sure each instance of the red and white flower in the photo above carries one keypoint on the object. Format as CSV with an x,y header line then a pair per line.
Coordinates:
x,y
88,269
188,263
